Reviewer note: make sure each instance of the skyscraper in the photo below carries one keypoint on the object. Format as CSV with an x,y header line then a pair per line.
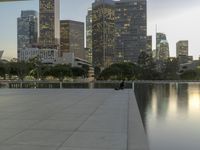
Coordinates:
x,y
89,35
182,48
27,30
103,32
163,50
159,37
131,29
89,29
49,23
72,38
149,45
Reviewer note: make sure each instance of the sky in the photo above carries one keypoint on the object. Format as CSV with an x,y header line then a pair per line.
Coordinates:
x,y
178,19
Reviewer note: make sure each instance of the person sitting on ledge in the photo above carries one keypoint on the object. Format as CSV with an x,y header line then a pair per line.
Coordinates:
x,y
121,85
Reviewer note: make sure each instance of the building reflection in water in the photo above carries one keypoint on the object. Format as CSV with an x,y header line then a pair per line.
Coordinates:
x,y
182,99
170,113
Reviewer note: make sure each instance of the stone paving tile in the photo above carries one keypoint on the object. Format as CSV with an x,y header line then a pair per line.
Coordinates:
x,y
115,126
57,125
40,137
68,117
16,124
26,147
4,115
70,148
8,133
63,119
101,140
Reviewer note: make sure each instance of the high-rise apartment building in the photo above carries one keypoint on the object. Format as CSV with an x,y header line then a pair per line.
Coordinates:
x,y
72,38
131,29
89,35
49,23
103,32
27,30
182,48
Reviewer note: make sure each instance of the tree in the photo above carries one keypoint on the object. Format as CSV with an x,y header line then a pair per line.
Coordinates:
x,y
198,73
79,72
120,71
20,69
147,66
189,75
60,72
86,68
3,70
171,69
145,61
97,72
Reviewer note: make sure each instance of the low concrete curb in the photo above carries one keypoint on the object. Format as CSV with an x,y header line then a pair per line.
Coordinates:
x,y
137,139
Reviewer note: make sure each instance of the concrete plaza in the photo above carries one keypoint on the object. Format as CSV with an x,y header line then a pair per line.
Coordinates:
x,y
56,119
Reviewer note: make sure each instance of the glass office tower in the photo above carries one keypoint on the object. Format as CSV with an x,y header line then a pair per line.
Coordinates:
x,y
49,23
182,48
89,35
131,29
27,30
72,38
103,32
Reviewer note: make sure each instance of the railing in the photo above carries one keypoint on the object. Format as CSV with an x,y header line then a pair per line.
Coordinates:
x,y
67,85
85,85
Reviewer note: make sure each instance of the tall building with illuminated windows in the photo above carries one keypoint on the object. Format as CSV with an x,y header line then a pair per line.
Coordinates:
x,y
159,37
182,48
163,50
103,32
89,35
49,23
27,30
72,38
149,45
131,29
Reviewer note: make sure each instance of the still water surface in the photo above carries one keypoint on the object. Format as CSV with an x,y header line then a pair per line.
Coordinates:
x,y
171,115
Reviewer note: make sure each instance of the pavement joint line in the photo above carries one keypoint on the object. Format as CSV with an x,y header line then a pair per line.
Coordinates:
x,y
101,103
84,122
40,120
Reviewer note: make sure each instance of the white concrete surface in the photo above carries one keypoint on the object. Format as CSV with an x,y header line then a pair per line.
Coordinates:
x,y
69,120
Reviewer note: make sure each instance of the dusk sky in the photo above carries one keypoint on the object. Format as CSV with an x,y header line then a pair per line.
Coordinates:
x,y
179,19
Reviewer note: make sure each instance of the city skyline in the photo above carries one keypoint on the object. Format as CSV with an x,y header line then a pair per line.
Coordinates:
x,y
8,40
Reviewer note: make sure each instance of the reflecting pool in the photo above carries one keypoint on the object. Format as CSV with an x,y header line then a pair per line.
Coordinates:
x,y
171,115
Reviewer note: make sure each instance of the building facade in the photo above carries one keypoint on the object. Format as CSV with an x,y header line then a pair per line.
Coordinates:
x,y
163,50
27,30
182,48
131,29
149,46
49,23
89,35
159,37
103,32
47,56
72,38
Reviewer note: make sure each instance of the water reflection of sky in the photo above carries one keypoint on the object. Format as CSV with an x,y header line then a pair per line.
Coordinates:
x,y
171,115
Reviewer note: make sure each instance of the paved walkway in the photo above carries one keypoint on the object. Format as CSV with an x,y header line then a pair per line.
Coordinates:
x,y
70,120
